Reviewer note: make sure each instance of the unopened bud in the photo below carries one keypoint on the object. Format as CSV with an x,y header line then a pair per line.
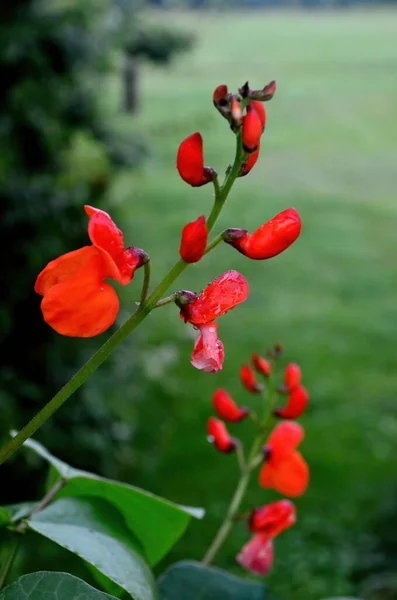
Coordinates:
x,y
221,99
265,93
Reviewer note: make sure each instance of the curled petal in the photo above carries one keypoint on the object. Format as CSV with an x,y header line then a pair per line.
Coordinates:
x,y
272,237
190,161
262,365
194,240
296,404
290,477
248,380
221,295
250,162
283,440
258,106
292,375
208,352
220,95
219,435
76,301
226,407
252,130
257,555
273,518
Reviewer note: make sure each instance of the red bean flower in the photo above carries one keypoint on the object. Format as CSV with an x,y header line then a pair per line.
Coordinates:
x,y
262,365
251,130
248,379
250,162
219,436
258,106
266,522
296,404
226,407
271,238
76,300
292,375
194,240
284,469
223,294
190,162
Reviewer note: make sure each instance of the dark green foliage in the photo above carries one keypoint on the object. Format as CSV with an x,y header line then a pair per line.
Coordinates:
x,y
157,43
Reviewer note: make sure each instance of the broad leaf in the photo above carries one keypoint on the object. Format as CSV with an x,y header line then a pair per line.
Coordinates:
x,y
94,530
157,523
51,586
5,516
190,580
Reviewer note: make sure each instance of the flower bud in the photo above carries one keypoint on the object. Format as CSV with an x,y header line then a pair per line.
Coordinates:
x,y
260,111
250,162
292,375
226,407
221,100
262,365
252,130
265,93
296,404
249,381
190,162
219,436
194,241
273,518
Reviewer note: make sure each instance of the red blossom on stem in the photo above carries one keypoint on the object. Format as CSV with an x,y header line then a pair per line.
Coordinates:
x,y
252,130
220,296
248,379
76,300
262,365
250,162
271,238
296,404
194,240
284,469
226,407
258,106
292,375
257,554
219,436
190,162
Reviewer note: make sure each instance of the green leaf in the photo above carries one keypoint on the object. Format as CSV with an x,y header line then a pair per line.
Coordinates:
x,y
157,523
51,586
19,511
193,581
94,530
5,517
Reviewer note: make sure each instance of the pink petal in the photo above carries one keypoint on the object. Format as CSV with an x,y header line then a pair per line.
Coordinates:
x,y
257,555
208,353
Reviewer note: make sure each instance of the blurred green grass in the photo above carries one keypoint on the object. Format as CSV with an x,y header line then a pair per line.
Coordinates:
x,y
330,151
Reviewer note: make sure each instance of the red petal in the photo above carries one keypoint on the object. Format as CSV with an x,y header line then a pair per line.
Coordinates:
x,y
283,440
190,161
292,375
221,295
62,268
273,518
81,304
258,106
252,130
220,94
272,237
219,435
296,404
248,379
262,365
257,555
226,407
250,162
208,352
194,240
291,477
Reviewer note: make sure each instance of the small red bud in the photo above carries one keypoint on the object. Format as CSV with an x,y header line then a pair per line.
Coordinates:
x,y
262,365
194,241
250,162
292,375
248,380
272,237
190,162
296,404
260,111
220,95
219,435
252,130
226,407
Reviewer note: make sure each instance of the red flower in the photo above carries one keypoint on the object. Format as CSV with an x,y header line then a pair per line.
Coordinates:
x,y
226,407
266,522
296,404
250,162
220,94
190,161
273,518
223,294
76,300
252,130
271,238
219,435
292,375
248,380
194,240
258,106
261,365
285,470
257,555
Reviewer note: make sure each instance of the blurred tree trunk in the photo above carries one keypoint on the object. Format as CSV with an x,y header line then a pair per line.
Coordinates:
x,y
130,84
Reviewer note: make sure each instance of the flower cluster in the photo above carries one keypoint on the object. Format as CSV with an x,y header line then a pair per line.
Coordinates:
x,y
283,467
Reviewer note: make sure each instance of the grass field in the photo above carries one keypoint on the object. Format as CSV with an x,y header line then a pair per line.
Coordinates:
x,y
330,150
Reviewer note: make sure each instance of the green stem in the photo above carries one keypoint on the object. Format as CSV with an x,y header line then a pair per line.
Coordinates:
x,y
126,329
164,301
146,283
6,566
217,240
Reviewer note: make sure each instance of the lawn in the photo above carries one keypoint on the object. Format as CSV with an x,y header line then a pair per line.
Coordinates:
x,y
329,151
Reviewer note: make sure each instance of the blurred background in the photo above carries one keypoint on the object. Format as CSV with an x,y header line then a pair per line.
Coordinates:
x,y
96,97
